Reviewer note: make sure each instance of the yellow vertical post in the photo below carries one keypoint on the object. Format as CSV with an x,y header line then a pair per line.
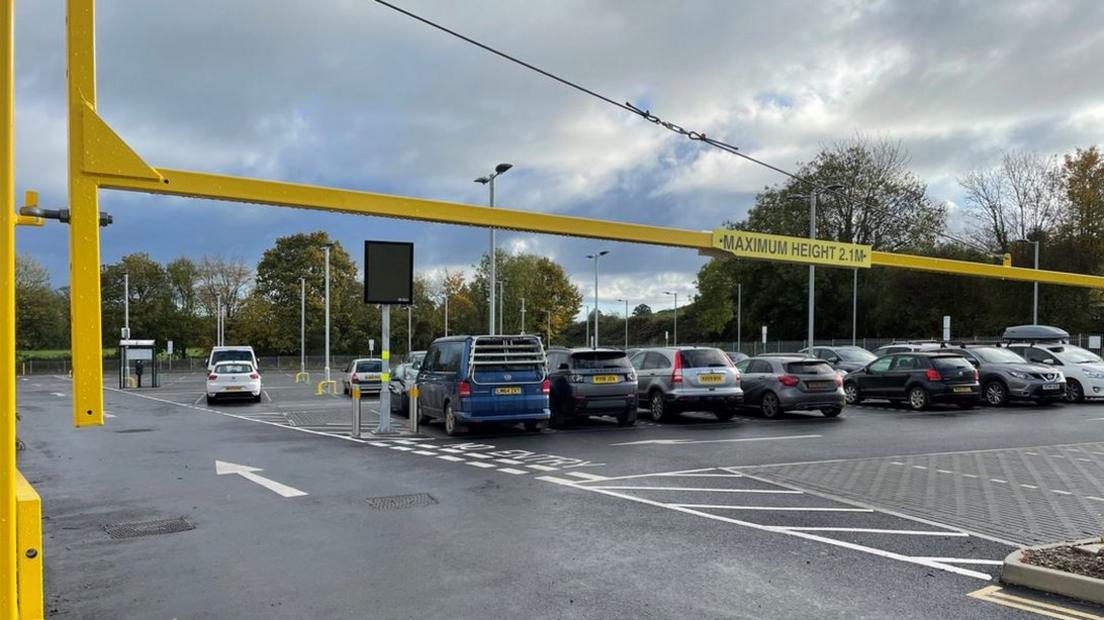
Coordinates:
x,y
84,225
8,548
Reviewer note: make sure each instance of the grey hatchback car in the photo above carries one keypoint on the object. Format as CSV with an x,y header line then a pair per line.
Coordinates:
x,y
586,382
671,380
777,384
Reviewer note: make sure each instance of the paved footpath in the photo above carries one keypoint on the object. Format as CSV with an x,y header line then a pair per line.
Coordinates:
x,y
177,509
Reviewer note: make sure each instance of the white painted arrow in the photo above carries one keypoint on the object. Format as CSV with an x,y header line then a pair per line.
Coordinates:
x,y
223,468
680,442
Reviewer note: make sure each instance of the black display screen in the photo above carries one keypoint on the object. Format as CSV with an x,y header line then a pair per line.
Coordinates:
x,y
388,272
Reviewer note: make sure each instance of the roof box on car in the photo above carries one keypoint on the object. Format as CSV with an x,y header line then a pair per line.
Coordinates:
x,y
1036,333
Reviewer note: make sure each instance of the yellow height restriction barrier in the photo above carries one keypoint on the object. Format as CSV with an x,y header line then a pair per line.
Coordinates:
x,y
28,539
9,548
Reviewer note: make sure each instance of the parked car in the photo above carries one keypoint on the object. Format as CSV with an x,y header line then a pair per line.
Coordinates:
x,y
1005,376
407,371
905,347
843,358
777,384
473,380
588,382
237,379
671,380
237,353
365,373
919,378
737,356
1082,369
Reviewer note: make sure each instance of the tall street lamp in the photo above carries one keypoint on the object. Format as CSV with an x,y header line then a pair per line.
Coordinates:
x,y
812,196
446,312
409,329
489,181
596,256
626,322
326,250
739,315
587,343
302,327
675,293
1035,284
501,304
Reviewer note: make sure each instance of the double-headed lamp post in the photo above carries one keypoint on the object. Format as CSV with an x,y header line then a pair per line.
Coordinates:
x,y
489,181
675,293
626,322
812,196
595,257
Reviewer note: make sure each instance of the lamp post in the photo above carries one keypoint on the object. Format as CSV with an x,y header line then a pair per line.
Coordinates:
x,y
854,306
596,256
739,315
446,312
675,293
489,181
326,249
812,196
302,326
218,320
522,316
549,342
501,304
409,329
1035,284
626,322
587,332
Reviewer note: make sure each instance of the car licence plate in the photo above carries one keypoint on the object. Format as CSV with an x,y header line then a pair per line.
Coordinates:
x,y
820,385
508,391
1050,386
962,389
605,379
233,388
710,378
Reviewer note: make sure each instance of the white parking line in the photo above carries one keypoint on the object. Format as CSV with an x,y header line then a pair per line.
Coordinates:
x,y
508,470
508,462
585,476
706,489
479,464
445,457
868,530
424,453
541,467
775,508
1060,492
965,561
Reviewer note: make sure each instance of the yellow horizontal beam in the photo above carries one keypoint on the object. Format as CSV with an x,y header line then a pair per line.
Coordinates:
x,y
984,270
240,189
28,537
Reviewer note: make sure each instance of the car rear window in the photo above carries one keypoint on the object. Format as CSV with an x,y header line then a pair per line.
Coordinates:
x,y
809,368
369,366
951,361
599,359
704,358
230,369
231,356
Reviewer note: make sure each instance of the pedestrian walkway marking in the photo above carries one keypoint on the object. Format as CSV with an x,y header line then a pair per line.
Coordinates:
x,y
870,530
775,508
703,489
585,476
997,595
516,472
445,457
425,453
479,464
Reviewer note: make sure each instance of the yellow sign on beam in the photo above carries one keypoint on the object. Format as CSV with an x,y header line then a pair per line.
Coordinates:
x,y
761,246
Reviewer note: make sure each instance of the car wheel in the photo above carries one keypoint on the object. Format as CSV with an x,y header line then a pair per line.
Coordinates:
x,y
1074,392
257,398
210,400
627,417
996,395
724,415
851,393
918,398
534,426
423,418
657,407
453,427
831,412
770,405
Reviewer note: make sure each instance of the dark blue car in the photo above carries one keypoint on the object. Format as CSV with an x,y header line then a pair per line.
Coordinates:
x,y
472,380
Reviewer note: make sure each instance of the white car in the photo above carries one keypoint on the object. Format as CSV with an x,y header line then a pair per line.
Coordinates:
x,y
366,373
1084,370
233,380
239,353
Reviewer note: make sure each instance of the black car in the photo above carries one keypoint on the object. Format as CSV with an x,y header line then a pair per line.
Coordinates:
x,y
919,378
586,382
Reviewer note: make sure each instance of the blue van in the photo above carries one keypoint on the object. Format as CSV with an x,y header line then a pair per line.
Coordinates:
x,y
471,380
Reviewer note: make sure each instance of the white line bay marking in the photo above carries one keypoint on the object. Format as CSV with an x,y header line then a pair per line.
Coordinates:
x,y
222,468
772,508
705,489
870,530
682,442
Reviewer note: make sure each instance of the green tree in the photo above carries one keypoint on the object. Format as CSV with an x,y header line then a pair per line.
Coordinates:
x,y
151,300
41,313
549,295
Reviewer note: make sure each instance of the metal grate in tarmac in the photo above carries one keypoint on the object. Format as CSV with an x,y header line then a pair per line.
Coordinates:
x,y
401,502
147,528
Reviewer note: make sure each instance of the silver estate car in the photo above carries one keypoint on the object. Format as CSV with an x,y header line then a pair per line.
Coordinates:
x,y
675,379
777,384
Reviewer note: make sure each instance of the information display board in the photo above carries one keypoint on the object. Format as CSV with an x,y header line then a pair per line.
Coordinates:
x,y
388,272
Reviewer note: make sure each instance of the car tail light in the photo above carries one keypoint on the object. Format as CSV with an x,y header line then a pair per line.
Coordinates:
x,y
789,380
737,375
546,386
212,377
355,378
839,380
254,375
463,389
676,375
976,375
933,375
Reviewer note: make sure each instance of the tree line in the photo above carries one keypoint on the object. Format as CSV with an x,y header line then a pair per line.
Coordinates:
x,y
1057,201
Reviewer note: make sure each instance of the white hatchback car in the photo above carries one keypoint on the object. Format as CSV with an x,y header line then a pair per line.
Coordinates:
x,y
233,380
365,373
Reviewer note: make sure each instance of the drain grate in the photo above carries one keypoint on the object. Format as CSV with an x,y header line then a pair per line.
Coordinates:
x,y
135,430
401,502
147,528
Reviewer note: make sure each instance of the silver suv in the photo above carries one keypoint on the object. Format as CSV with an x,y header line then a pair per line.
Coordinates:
x,y
675,379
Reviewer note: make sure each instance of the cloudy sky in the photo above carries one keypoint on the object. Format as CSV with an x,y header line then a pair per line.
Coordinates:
x,y
351,94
